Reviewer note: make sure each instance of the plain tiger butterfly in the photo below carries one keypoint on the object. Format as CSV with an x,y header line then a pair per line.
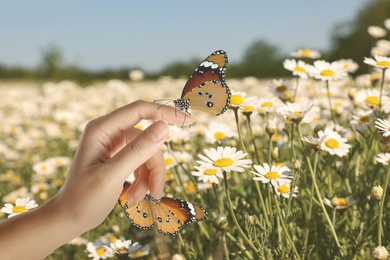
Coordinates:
x,y
206,89
169,214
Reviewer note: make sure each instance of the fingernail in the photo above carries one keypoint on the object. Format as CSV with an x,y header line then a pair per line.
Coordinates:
x,y
138,196
158,131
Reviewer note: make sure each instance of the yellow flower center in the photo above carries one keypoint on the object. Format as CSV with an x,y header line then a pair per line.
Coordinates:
x,y
168,161
339,202
219,136
283,189
44,167
364,120
327,73
138,253
271,175
267,104
281,89
210,171
372,100
19,209
223,162
100,251
299,69
297,112
306,53
248,108
332,143
190,187
122,250
383,63
236,99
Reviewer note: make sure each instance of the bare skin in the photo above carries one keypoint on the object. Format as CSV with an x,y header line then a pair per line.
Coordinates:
x,y
111,148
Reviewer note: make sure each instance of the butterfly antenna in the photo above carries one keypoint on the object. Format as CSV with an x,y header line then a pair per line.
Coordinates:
x,y
163,100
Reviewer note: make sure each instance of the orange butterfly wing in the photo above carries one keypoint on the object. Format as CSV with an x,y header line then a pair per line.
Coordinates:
x,y
212,68
170,214
211,97
141,215
173,214
206,89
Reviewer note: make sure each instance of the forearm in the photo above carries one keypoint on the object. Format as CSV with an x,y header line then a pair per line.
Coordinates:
x,y
36,233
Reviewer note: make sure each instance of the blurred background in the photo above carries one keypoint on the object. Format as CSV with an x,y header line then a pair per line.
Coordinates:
x,y
99,40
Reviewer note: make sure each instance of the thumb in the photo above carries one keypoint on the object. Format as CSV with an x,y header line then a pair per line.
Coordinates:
x,y
140,150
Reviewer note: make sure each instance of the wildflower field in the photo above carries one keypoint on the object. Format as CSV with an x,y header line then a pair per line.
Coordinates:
x,y
297,168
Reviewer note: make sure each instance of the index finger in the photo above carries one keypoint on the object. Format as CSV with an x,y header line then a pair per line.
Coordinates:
x,y
127,116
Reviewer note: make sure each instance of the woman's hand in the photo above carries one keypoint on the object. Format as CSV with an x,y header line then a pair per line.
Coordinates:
x,y
111,148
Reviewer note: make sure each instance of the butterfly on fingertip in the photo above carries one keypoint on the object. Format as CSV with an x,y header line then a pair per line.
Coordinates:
x,y
169,214
206,89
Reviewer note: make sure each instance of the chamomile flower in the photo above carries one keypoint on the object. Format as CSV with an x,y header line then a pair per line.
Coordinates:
x,y
362,119
237,99
327,71
315,143
339,203
224,158
383,126
267,104
44,168
219,132
285,191
21,205
383,158
283,89
306,53
295,113
378,61
123,248
369,98
334,144
376,31
208,174
98,251
78,241
170,160
348,65
298,68
276,175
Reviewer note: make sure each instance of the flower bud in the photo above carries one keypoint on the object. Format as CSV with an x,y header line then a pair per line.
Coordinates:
x,y
380,253
297,165
252,220
222,222
377,192
270,127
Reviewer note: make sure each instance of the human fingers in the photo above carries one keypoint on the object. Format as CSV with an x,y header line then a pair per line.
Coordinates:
x,y
150,176
129,115
140,150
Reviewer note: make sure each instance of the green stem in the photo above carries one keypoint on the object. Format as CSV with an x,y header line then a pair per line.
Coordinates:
x,y
292,142
381,89
248,116
306,237
239,129
330,104
285,229
231,211
296,90
380,227
318,193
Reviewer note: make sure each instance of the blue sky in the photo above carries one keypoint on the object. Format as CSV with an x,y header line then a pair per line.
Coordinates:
x,y
150,34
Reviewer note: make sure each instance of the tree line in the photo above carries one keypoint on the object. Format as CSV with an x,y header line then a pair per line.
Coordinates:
x,y
261,59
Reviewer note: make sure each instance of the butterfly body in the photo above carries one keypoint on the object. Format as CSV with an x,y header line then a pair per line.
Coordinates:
x,y
170,215
206,89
